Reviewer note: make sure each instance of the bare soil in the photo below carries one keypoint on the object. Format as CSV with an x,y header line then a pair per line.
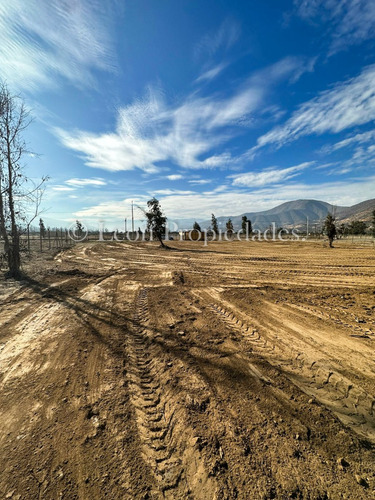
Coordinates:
x,y
232,371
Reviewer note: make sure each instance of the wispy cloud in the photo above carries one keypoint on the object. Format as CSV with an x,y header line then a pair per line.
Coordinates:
x,y
62,188
44,41
362,138
290,67
150,131
348,104
359,154
85,182
200,181
74,184
211,73
362,158
174,177
269,176
167,192
350,21
222,39
234,201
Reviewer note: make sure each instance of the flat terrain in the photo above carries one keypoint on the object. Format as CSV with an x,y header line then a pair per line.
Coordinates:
x,y
232,371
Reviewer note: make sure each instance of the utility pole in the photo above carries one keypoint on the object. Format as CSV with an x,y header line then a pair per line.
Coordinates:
x,y
132,218
307,227
126,225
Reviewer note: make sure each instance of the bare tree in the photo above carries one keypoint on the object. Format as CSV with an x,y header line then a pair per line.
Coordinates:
x,y
3,183
14,119
31,197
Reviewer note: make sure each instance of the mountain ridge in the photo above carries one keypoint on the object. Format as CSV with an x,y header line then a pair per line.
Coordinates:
x,y
299,213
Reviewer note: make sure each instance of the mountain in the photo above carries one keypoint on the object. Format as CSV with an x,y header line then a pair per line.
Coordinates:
x,y
181,224
360,211
296,213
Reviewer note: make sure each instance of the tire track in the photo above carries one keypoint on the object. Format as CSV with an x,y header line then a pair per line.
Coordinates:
x,y
352,405
155,423
168,443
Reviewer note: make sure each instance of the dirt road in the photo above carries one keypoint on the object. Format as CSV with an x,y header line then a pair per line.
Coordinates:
x,y
232,371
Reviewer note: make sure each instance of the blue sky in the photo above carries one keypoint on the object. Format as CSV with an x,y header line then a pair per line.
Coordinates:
x,y
211,106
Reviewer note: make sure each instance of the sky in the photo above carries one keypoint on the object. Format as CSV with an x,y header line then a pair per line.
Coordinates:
x,y
211,106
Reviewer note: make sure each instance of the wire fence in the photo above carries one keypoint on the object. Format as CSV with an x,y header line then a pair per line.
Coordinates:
x,y
52,239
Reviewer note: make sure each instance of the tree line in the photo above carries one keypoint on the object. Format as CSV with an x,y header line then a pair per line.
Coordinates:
x,y
353,228
246,225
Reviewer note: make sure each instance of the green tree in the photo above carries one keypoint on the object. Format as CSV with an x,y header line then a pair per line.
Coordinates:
x,y
357,227
196,226
42,228
79,228
330,229
229,226
342,230
246,225
214,225
156,220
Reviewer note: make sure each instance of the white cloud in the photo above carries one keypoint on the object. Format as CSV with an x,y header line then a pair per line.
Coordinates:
x,y
85,182
200,181
350,21
349,141
232,201
165,192
62,188
211,73
150,131
174,177
269,176
346,105
223,39
218,189
362,158
43,40
218,160
359,154
291,67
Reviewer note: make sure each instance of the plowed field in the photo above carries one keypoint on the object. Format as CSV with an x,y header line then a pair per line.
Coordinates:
x,y
232,371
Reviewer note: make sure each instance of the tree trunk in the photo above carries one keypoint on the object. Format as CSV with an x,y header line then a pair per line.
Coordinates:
x,y
3,230
14,260
161,241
